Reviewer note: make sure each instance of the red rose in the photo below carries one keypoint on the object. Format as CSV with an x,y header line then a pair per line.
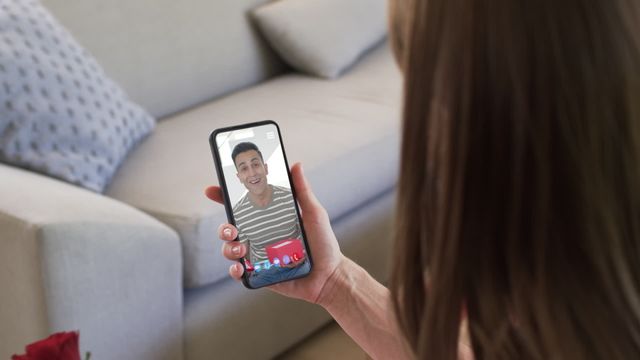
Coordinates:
x,y
60,346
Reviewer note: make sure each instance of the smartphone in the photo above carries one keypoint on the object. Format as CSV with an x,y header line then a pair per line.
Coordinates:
x,y
260,201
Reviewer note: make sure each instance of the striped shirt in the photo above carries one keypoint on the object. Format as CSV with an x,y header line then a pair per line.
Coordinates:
x,y
261,226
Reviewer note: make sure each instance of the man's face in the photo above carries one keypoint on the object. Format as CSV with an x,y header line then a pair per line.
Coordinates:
x,y
252,172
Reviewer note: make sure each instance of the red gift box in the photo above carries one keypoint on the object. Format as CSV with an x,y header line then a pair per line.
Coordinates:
x,y
285,252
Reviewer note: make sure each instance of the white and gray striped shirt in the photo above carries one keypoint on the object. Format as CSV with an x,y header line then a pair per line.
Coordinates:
x,y
261,226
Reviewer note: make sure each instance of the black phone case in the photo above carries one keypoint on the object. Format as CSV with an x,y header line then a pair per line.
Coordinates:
x,y
227,204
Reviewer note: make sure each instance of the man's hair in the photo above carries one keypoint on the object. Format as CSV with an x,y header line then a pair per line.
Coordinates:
x,y
243,147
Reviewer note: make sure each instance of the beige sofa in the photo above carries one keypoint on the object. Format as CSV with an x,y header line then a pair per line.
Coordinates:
x,y
138,269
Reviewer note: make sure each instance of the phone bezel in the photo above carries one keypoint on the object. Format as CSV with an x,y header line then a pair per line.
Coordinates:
x,y
227,203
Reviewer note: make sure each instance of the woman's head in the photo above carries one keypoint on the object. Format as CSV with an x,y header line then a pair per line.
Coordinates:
x,y
519,191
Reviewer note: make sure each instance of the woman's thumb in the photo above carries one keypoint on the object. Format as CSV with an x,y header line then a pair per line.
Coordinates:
x,y
306,198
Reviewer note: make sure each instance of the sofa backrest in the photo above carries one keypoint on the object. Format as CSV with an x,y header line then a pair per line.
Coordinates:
x,y
169,55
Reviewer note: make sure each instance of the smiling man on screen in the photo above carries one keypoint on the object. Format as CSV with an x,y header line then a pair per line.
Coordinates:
x,y
264,215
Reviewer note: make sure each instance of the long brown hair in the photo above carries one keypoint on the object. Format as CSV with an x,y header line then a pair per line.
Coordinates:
x,y
519,191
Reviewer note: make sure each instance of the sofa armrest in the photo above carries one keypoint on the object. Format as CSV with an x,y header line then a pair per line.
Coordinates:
x,y
71,259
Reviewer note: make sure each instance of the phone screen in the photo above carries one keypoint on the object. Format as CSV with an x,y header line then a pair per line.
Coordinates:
x,y
253,173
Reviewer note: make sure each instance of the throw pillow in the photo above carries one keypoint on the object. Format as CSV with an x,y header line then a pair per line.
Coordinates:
x,y
322,37
59,113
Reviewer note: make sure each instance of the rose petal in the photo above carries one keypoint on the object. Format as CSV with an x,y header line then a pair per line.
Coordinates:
x,y
59,346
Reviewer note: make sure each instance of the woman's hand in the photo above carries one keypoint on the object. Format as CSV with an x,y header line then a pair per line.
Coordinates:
x,y
322,242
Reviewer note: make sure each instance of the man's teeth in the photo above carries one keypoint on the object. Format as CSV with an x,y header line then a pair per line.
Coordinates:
x,y
254,181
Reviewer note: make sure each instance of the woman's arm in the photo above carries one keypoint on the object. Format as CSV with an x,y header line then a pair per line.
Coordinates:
x,y
362,306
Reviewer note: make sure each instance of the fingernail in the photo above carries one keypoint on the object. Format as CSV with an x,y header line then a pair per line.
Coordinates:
x,y
227,232
236,267
236,250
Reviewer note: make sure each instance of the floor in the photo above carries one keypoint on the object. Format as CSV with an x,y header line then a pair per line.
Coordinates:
x,y
330,342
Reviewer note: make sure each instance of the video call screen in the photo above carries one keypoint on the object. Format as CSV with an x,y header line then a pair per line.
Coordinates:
x,y
262,203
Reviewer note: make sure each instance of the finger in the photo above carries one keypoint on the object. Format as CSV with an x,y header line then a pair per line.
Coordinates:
x,y
227,232
214,193
236,270
306,198
234,250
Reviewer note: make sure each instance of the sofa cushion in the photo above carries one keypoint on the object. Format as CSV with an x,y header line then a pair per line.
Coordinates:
x,y
322,37
60,114
169,55
345,132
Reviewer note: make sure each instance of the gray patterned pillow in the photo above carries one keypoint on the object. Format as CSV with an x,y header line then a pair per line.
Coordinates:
x,y
59,113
